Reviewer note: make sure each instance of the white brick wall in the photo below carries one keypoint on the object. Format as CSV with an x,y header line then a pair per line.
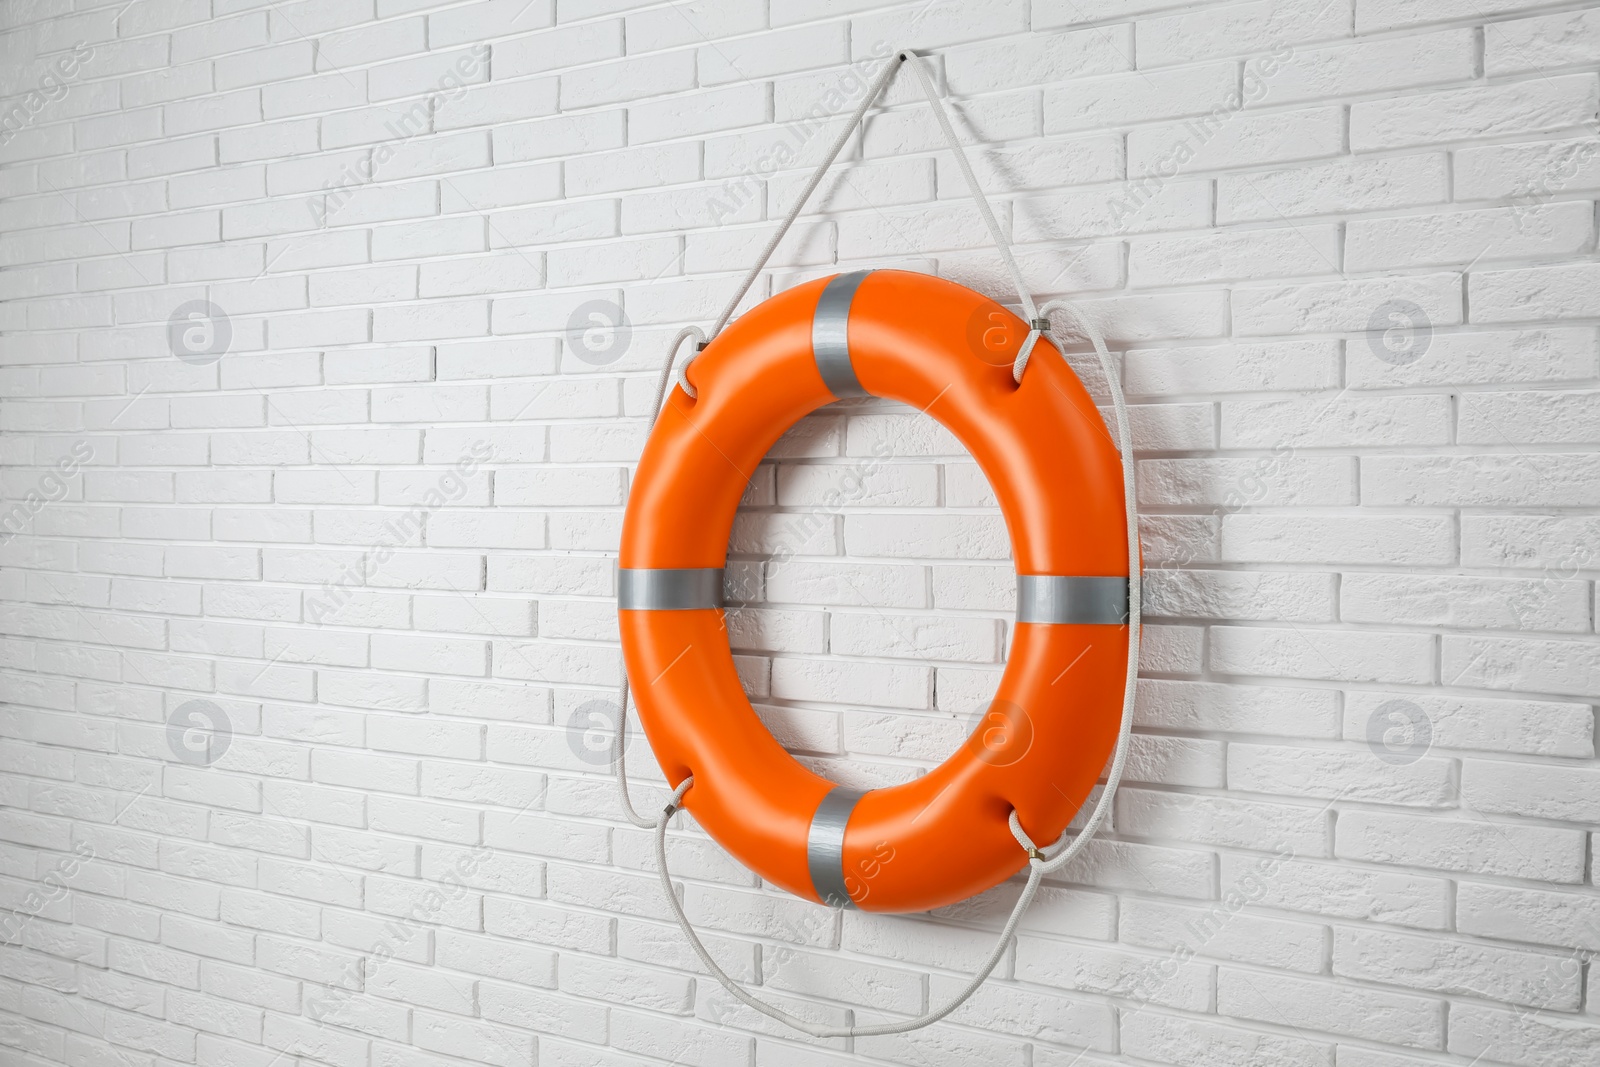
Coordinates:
x,y
310,499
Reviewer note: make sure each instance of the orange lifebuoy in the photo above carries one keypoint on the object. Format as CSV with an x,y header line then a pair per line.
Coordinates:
x,y
947,351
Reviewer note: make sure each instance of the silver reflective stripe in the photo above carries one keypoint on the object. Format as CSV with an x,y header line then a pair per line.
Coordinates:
x,y
825,845
669,588
1071,598
830,342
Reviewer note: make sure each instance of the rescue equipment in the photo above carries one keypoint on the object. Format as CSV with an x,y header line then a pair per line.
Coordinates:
x,y
1067,494
942,837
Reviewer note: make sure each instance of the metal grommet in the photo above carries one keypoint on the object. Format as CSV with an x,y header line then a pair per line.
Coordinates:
x,y
700,346
1041,324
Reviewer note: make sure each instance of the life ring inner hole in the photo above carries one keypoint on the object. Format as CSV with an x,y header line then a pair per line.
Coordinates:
x,y
869,533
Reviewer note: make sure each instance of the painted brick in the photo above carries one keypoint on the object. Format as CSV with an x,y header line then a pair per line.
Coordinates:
x,y
1459,114
1375,65
1323,654
1339,774
1332,188
1469,236
1120,99
1532,293
1527,726
1375,539
1521,1037
1224,932
1280,480
1156,261
1552,479
1175,1039
379,532
1480,358
1234,368
1343,306
1223,821
1118,973
1183,705
1540,853
1301,1003
1529,169
1540,916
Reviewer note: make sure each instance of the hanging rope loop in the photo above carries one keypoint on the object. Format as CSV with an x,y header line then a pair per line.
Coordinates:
x,y
682,335
942,115
1039,862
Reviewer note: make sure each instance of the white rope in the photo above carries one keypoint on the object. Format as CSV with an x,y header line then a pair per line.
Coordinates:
x,y
867,101
1035,874
1038,864
1130,683
617,745
1021,362
942,115
666,371
618,758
